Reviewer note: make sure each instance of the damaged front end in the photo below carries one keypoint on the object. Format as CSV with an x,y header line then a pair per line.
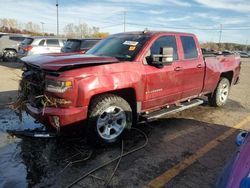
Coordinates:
x,y
33,95
32,89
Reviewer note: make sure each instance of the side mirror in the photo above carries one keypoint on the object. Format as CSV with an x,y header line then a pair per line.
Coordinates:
x,y
166,56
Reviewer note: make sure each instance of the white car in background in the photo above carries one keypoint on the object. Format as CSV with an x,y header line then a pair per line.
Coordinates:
x,y
40,45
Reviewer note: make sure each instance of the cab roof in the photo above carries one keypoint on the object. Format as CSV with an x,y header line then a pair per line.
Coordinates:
x,y
151,33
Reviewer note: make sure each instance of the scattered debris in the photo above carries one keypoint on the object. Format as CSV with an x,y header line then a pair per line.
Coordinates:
x,y
32,133
32,91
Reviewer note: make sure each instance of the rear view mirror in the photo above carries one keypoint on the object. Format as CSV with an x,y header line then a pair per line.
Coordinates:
x,y
166,56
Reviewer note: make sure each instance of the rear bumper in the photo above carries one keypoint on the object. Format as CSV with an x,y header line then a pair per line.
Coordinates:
x,y
66,116
20,55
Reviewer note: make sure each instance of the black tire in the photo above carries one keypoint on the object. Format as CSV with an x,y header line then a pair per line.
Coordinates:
x,y
10,55
104,125
220,95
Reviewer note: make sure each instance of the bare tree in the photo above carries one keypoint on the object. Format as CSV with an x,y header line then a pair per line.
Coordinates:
x,y
82,30
9,23
30,26
69,30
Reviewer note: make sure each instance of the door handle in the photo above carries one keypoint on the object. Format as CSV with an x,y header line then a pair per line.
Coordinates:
x,y
178,69
199,66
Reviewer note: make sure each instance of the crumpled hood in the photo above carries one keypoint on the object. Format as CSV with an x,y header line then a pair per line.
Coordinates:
x,y
63,61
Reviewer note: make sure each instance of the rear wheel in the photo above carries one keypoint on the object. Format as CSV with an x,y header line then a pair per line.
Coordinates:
x,y
109,116
220,95
10,55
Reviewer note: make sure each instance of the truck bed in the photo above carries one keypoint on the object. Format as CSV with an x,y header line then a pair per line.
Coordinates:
x,y
218,64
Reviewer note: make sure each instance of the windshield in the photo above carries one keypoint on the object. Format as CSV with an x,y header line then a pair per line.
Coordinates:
x,y
123,47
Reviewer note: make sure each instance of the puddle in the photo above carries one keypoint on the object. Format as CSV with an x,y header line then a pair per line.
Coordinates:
x,y
29,162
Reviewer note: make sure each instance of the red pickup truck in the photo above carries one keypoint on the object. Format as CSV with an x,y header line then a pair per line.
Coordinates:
x,y
125,78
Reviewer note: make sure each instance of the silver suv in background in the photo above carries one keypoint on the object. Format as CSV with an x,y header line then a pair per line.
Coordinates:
x,y
9,45
40,45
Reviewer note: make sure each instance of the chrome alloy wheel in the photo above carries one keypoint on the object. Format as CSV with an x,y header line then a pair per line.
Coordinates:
x,y
111,123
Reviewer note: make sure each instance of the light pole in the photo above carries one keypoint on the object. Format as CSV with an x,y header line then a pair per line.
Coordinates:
x,y
220,33
42,27
124,21
57,23
246,45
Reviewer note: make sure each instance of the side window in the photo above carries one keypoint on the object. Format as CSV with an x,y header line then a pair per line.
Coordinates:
x,y
41,43
189,47
52,42
167,41
15,38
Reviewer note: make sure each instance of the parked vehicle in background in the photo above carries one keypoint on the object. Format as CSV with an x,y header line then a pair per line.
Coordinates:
x,y
226,52
9,45
237,171
40,45
2,34
79,45
125,78
244,54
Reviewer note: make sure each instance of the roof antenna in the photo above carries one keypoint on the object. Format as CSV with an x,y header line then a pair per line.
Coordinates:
x,y
145,31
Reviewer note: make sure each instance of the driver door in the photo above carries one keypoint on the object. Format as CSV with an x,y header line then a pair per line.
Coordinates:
x,y
163,85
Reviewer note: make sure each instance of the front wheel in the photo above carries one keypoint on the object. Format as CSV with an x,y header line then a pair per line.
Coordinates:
x,y
109,116
220,95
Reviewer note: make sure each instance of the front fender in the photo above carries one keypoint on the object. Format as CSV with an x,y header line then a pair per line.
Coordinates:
x,y
97,84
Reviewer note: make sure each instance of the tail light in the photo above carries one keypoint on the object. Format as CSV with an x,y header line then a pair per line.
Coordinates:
x,y
27,48
82,52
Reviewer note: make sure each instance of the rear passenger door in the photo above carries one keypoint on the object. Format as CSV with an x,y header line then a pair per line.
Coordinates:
x,y
191,67
53,45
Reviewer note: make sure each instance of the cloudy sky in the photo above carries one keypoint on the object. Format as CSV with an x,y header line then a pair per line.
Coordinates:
x,y
202,17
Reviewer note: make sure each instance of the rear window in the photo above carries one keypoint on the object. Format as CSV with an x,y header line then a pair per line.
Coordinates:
x,y
27,41
88,43
52,42
72,45
16,38
189,47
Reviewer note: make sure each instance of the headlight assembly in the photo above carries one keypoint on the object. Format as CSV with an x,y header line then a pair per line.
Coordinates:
x,y
57,86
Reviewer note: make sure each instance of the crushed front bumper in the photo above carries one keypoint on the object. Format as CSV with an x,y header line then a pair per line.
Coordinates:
x,y
58,117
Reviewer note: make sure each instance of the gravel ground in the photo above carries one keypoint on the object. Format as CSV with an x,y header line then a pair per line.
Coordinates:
x,y
41,163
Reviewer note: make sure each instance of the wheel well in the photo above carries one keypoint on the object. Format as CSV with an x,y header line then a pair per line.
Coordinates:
x,y
128,94
228,75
